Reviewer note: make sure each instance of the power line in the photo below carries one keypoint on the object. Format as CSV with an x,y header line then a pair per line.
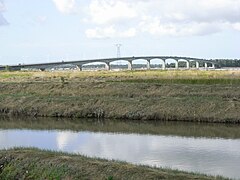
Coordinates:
x,y
118,50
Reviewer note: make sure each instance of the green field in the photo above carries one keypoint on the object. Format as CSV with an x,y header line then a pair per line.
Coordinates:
x,y
202,96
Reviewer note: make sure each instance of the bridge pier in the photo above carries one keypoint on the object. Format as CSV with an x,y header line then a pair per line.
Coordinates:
x,y
164,65
107,66
188,64
79,67
197,65
130,65
206,65
176,64
148,64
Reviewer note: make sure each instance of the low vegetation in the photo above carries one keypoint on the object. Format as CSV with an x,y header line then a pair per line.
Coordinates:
x,y
36,164
202,96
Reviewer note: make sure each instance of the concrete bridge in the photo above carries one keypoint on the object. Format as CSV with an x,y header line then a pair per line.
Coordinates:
x,y
79,64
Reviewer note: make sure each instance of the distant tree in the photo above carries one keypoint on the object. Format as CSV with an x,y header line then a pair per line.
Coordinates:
x,y
228,62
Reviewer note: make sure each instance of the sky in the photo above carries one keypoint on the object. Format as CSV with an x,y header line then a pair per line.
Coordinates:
x,y
33,31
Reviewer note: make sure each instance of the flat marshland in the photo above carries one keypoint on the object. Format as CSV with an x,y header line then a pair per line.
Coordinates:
x,y
203,96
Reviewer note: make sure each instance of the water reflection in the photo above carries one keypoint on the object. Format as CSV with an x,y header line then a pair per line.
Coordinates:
x,y
155,128
206,155
207,148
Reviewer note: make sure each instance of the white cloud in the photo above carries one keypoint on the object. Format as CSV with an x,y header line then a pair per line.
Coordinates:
x,y
65,6
2,7
108,11
3,21
124,18
64,138
163,17
236,26
155,27
109,32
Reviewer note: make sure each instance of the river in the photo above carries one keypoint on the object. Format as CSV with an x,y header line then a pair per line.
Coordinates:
x,y
190,147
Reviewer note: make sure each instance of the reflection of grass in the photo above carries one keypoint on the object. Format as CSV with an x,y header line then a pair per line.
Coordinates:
x,y
211,96
151,127
36,164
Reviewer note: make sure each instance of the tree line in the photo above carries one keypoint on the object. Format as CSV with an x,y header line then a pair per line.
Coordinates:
x,y
228,62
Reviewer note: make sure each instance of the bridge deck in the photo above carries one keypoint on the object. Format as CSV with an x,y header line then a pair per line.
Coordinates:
x,y
105,60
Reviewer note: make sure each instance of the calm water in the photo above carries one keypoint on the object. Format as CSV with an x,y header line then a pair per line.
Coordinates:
x,y
215,156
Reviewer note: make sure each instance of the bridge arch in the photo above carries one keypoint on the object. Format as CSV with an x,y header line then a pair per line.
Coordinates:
x,y
141,61
209,64
170,61
122,64
197,63
98,65
187,63
162,62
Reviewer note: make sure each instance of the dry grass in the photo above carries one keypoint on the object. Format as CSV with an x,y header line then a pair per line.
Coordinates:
x,y
211,96
171,74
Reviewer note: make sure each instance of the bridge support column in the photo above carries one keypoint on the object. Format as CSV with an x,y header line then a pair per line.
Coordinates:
x,y
79,67
197,64
206,65
148,65
164,65
129,65
176,65
213,66
188,65
107,66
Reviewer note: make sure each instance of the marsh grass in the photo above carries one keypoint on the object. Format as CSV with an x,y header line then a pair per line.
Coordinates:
x,y
32,163
185,81
171,74
7,75
209,96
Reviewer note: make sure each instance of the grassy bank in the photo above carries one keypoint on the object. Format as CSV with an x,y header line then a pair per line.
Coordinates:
x,y
207,96
36,164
